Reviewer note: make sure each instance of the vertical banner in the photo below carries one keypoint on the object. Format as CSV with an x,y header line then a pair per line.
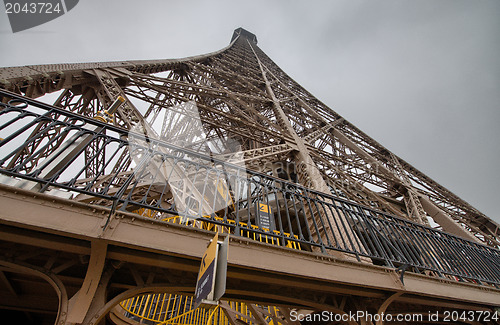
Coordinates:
x,y
265,217
206,275
211,284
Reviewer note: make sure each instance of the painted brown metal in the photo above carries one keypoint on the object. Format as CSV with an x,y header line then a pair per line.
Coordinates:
x,y
94,256
247,259
220,77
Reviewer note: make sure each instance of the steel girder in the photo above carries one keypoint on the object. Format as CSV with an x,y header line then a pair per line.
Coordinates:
x,y
234,104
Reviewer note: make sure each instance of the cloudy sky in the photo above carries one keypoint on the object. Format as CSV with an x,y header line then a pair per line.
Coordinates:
x,y
421,77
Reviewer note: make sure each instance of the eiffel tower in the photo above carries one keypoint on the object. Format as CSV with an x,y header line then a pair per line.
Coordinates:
x,y
111,191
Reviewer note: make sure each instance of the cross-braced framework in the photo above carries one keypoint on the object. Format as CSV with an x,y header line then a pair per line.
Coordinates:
x,y
243,97
225,142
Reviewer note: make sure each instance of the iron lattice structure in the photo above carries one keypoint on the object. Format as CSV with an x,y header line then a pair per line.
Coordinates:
x,y
243,97
229,143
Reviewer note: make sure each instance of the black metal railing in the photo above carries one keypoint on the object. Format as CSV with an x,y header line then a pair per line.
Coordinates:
x,y
48,149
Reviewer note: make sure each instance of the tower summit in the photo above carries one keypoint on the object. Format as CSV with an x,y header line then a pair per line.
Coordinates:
x,y
243,33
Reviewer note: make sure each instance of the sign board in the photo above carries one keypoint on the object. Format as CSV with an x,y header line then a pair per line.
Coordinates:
x,y
265,217
206,275
221,272
211,283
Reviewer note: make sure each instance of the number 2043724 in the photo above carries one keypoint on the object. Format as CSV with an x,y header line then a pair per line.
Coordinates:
x,y
32,8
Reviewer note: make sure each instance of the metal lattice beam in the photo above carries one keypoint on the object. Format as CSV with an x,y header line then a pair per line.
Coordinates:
x,y
234,104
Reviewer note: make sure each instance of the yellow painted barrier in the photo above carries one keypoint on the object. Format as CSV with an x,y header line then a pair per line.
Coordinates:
x,y
169,309
164,309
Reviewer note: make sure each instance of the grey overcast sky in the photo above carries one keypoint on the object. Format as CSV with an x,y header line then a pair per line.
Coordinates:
x,y
421,77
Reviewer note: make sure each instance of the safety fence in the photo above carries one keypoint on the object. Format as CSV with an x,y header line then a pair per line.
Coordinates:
x,y
47,149
164,308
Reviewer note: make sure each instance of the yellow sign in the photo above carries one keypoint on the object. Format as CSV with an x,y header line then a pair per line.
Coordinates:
x,y
264,208
209,256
